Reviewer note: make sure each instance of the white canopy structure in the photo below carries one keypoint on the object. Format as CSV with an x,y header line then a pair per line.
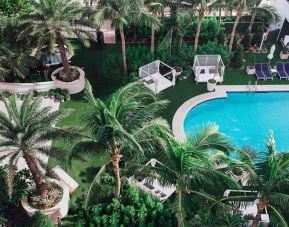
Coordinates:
x,y
157,76
208,67
158,191
248,207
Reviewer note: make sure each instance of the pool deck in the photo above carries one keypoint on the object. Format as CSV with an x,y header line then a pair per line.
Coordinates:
x,y
220,92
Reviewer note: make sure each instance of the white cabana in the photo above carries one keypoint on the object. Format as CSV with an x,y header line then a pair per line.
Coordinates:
x,y
248,207
208,67
157,76
158,191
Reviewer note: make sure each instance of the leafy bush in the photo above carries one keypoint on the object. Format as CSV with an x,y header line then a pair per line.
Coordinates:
x,y
221,37
257,38
39,219
237,60
21,187
131,208
213,47
210,29
246,41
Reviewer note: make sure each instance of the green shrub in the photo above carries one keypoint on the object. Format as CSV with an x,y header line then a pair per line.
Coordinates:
x,y
210,29
238,57
51,92
131,208
257,38
221,37
39,219
6,94
246,41
213,47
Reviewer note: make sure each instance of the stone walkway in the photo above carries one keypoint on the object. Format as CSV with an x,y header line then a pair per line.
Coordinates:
x,y
220,92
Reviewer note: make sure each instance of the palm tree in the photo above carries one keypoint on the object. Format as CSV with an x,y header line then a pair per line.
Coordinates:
x,y
156,9
268,176
201,8
189,167
120,12
240,6
25,131
51,22
123,127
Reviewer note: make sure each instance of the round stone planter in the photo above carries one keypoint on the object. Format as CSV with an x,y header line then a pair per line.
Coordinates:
x,y
178,70
60,210
211,85
73,87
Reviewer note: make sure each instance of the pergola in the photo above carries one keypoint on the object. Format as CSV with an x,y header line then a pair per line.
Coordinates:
x,y
157,76
208,67
157,190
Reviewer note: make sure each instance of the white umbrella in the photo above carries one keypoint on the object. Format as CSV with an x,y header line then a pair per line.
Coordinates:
x,y
271,54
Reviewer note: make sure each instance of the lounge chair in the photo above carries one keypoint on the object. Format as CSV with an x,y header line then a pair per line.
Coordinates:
x,y
267,71
286,68
280,71
258,72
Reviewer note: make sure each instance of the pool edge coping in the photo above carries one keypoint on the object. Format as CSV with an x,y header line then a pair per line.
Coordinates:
x,y
220,92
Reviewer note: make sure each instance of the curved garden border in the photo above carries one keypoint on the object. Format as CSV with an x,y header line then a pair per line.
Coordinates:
x,y
73,87
220,92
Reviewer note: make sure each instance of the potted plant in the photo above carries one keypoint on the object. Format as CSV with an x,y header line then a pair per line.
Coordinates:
x,y
284,54
178,70
211,84
251,66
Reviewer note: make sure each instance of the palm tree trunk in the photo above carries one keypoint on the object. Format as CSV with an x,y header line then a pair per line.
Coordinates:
x,y
36,174
261,207
123,49
201,14
252,20
115,158
153,40
220,13
63,56
233,33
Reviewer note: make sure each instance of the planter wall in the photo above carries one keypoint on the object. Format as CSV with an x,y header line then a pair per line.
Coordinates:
x,y
60,210
73,87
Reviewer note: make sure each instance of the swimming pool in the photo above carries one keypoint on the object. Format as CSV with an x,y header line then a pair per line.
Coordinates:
x,y
246,118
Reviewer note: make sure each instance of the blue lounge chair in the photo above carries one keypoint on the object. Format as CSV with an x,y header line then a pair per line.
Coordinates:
x,y
258,72
280,71
286,68
267,71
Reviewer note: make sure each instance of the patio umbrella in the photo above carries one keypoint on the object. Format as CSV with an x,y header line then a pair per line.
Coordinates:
x,y
271,54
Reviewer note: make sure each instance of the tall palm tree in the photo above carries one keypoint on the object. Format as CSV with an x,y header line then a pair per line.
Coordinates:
x,y
156,9
120,12
240,6
25,130
189,167
268,176
51,22
125,126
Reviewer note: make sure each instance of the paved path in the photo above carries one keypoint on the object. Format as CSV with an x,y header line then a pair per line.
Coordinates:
x,y
108,33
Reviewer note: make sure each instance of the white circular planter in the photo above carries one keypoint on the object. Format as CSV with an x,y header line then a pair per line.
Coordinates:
x,y
59,210
211,86
178,72
73,87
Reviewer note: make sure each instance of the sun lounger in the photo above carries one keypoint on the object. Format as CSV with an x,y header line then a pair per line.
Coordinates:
x,y
258,72
286,68
280,71
267,71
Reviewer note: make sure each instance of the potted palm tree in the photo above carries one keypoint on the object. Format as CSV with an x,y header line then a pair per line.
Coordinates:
x,y
25,133
53,21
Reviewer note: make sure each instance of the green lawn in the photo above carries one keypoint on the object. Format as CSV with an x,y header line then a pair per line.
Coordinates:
x,y
92,58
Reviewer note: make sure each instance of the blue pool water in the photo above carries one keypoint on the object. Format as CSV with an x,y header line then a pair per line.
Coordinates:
x,y
246,118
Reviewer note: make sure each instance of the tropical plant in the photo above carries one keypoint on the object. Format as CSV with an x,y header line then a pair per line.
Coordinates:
x,y
39,219
268,175
25,132
131,208
125,126
189,168
121,12
51,22
15,7
240,6
156,9
238,57
247,39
